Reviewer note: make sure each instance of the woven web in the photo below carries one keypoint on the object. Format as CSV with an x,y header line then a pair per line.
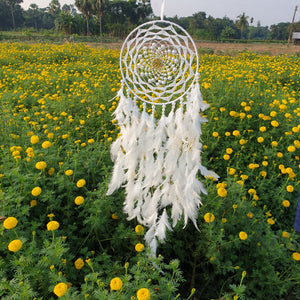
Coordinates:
x,y
159,62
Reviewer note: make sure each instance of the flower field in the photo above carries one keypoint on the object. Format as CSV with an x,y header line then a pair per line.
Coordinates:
x,y
62,237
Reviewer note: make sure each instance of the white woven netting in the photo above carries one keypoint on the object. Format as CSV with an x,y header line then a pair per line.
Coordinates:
x,y
159,62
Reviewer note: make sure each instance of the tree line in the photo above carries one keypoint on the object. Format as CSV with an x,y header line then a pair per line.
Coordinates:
x,y
116,18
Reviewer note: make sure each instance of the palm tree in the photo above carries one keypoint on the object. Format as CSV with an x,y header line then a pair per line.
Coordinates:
x,y
12,5
85,7
242,22
98,6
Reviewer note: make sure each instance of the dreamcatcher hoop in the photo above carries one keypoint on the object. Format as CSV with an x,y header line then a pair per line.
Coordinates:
x,y
159,62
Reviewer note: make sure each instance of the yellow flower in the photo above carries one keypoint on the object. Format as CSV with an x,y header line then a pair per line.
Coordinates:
x,y
296,256
139,247
114,217
224,220
60,289
226,157
286,203
79,263
274,144
69,172
51,171
270,221
36,191
236,133
91,141
80,183
52,225
41,165
79,200
116,284
139,229
222,192
290,188
143,294
33,203
242,142
232,171
291,148
15,245
209,217
10,223
229,150
250,215
34,139
260,139
262,129
243,235
215,134
285,234
46,144
274,123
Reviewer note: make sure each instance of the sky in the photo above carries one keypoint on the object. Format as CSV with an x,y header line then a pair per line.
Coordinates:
x,y
268,12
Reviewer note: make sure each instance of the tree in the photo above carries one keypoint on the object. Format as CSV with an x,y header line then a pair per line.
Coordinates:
x,y
85,7
242,23
98,7
12,4
54,8
144,9
33,11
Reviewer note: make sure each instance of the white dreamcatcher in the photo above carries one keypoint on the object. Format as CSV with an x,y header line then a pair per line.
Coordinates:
x,y
157,156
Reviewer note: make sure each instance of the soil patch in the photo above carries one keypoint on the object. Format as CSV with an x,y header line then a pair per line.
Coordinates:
x,y
227,48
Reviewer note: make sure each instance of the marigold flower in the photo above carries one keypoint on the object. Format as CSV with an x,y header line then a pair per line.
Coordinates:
x,y
116,284
51,171
33,203
91,141
139,247
79,200
69,172
143,294
80,183
296,256
114,216
36,191
290,188
243,235
286,203
41,165
10,222
274,144
52,225
215,134
291,148
139,229
285,234
34,139
250,215
274,123
236,133
226,157
79,263
270,221
229,150
60,289
260,139
222,192
209,217
46,145
15,245
232,171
